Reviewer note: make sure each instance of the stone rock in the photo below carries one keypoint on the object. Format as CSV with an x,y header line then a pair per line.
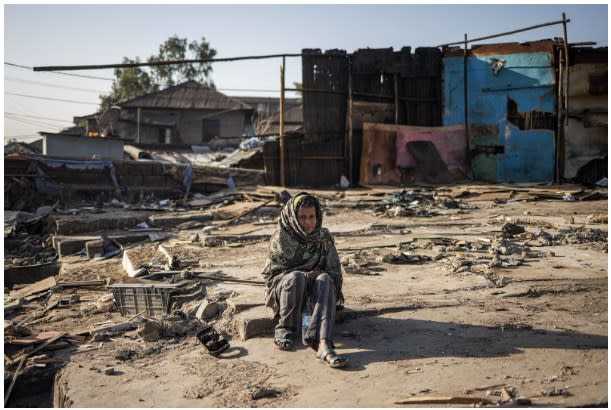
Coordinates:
x,y
512,229
150,331
207,310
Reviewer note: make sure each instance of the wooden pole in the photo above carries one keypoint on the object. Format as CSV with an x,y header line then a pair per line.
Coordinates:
x,y
566,71
559,119
508,32
349,122
396,85
138,125
282,142
162,63
465,64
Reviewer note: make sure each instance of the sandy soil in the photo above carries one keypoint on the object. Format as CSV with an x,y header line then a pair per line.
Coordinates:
x,y
537,330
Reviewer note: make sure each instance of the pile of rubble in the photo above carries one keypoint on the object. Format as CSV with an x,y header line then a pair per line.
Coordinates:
x,y
124,282
413,203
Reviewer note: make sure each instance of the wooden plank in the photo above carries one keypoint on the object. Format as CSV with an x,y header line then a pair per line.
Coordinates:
x,y
240,229
33,339
443,400
236,209
27,275
78,284
37,287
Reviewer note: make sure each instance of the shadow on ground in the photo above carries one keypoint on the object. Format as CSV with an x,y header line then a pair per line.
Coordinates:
x,y
381,339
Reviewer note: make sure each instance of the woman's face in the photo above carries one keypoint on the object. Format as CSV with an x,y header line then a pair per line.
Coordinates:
x,y
307,218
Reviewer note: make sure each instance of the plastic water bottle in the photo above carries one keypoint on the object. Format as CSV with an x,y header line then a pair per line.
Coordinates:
x,y
306,318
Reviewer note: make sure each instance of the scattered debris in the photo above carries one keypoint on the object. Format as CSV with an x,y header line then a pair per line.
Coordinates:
x,y
151,329
444,400
597,219
555,391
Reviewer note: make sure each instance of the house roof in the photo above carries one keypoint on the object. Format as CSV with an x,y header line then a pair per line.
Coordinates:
x,y
188,95
23,148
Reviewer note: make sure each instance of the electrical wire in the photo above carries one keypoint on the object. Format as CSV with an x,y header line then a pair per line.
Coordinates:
x,y
34,123
52,99
31,116
20,80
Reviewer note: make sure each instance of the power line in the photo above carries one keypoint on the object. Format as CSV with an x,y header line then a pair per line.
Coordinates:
x,y
161,63
20,80
52,99
58,72
31,116
33,123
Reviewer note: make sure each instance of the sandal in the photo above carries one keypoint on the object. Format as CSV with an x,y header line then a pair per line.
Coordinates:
x,y
335,361
284,343
212,341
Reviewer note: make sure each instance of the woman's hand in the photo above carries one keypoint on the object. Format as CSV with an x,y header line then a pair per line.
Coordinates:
x,y
313,274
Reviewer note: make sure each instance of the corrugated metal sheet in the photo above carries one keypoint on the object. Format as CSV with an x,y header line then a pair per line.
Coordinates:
x,y
311,164
387,158
519,100
406,88
379,156
586,132
324,110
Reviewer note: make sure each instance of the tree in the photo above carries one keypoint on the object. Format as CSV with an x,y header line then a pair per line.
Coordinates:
x,y
133,82
175,48
299,87
129,83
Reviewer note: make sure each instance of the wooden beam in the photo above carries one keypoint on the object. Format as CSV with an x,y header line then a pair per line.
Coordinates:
x,y
282,142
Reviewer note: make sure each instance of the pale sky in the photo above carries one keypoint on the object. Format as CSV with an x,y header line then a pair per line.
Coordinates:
x,y
73,34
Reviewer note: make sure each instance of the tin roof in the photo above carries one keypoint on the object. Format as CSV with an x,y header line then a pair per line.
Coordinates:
x,y
188,95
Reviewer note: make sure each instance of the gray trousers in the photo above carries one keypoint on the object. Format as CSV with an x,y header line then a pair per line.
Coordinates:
x,y
293,292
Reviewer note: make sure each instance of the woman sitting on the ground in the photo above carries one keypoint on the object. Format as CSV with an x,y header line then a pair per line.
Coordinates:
x,y
303,268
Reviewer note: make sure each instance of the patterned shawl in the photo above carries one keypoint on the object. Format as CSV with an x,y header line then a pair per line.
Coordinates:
x,y
291,249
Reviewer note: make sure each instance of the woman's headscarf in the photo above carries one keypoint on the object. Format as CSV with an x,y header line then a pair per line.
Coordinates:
x,y
289,220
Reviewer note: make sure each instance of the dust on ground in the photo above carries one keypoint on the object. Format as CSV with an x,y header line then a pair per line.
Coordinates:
x,y
479,293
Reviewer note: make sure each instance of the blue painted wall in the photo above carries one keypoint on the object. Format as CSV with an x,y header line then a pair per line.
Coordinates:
x,y
527,79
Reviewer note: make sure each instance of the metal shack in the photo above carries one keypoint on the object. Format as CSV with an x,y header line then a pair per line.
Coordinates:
x,y
584,137
532,114
511,100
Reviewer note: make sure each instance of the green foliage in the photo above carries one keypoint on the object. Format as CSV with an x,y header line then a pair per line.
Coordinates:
x,y
133,82
176,48
298,86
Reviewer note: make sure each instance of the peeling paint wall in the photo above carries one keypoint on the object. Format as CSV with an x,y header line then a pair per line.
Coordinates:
x,y
514,95
449,142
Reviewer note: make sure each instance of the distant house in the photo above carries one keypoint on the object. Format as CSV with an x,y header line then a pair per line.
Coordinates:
x,y
70,145
266,119
19,148
189,113
87,125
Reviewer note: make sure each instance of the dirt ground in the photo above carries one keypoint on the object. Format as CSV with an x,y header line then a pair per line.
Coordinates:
x,y
454,296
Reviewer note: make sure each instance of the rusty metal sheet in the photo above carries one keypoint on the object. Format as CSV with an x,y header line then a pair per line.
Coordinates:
x,y
502,48
378,157
449,142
